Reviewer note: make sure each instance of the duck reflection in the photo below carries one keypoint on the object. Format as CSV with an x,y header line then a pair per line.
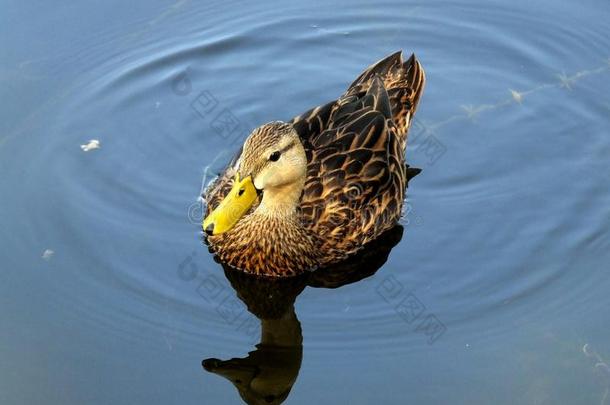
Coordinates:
x,y
268,373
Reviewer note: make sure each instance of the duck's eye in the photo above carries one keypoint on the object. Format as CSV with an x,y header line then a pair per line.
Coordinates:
x,y
275,156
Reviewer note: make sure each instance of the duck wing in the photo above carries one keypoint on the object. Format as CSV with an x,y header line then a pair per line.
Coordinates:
x,y
355,146
404,82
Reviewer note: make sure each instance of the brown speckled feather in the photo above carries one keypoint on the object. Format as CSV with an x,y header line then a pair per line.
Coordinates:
x,y
356,171
356,174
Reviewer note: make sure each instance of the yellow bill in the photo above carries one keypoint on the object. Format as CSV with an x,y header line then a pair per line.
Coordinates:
x,y
234,206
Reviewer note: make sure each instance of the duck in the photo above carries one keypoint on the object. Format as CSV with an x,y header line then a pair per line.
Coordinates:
x,y
303,194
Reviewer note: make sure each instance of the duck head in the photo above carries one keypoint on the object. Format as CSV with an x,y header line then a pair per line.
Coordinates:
x,y
273,163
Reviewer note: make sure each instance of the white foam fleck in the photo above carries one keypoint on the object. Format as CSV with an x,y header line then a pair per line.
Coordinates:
x,y
91,145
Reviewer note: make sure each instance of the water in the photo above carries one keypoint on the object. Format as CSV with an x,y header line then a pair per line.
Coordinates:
x,y
108,296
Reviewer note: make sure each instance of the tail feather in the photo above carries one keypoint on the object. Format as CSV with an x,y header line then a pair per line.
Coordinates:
x,y
416,79
403,81
386,68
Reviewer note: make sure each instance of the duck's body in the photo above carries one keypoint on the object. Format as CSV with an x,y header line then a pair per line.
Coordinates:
x,y
326,183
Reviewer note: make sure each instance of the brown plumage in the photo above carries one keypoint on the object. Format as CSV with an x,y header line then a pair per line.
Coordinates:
x,y
352,184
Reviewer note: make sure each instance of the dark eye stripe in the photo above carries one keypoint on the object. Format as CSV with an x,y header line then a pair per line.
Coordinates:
x,y
274,157
287,147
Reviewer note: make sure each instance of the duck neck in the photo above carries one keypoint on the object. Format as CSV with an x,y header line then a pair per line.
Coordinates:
x,y
281,201
284,331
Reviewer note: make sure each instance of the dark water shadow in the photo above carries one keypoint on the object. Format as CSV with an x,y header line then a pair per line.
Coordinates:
x,y
268,373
